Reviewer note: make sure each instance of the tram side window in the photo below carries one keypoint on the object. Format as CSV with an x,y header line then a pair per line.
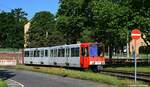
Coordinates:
x,y
100,51
26,54
74,52
61,52
36,53
85,51
31,54
46,53
42,53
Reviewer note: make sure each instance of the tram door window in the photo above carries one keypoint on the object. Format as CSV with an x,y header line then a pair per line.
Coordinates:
x,y
42,53
85,51
55,53
67,52
46,53
61,52
51,53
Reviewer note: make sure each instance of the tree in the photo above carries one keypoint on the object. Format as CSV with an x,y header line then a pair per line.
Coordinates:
x,y
107,21
11,29
138,16
91,20
43,32
18,34
70,20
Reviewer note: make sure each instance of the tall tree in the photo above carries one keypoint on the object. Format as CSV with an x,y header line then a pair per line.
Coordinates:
x,y
70,20
101,21
43,32
11,29
107,21
20,20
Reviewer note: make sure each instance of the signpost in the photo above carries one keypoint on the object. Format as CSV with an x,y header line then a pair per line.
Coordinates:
x,y
135,35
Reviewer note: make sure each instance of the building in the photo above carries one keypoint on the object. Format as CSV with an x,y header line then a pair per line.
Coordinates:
x,y
140,42
26,35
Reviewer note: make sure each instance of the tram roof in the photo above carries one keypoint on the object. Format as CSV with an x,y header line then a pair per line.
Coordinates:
x,y
53,47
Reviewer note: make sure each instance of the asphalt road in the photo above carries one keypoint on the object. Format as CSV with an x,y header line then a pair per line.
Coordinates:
x,y
34,79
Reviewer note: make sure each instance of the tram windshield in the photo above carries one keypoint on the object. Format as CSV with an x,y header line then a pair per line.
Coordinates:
x,y
96,50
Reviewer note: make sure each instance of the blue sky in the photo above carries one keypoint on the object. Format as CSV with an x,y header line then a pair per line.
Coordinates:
x,y
30,6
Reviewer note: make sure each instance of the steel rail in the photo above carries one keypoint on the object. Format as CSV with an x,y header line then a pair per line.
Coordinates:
x,y
140,76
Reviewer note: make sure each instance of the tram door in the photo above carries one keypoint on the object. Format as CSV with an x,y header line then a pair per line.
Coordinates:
x,y
67,56
84,56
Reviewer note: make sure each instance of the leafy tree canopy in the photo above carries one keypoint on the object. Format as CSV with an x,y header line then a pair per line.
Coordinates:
x,y
43,32
12,28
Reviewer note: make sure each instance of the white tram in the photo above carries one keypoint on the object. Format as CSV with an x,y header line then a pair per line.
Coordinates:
x,y
81,55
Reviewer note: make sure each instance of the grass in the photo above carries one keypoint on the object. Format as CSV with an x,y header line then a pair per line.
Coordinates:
x,y
144,69
7,50
117,55
3,83
145,56
97,77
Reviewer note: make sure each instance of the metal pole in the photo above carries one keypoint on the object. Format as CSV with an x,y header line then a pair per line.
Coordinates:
x,y
108,50
135,63
128,45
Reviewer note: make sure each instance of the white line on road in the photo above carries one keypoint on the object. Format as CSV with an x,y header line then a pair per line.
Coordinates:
x,y
16,82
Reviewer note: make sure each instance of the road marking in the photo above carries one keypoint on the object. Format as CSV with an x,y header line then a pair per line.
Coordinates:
x,y
15,82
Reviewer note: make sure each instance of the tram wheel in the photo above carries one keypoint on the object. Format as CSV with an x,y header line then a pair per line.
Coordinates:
x,y
97,68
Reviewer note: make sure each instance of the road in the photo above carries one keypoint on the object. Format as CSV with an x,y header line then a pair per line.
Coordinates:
x,y
34,79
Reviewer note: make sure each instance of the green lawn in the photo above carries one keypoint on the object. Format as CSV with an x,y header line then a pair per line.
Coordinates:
x,y
7,50
145,56
3,83
144,69
85,75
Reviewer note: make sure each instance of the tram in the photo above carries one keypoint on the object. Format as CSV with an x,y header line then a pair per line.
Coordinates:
x,y
83,55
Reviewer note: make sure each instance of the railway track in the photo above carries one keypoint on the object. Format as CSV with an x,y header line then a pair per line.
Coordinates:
x,y
140,76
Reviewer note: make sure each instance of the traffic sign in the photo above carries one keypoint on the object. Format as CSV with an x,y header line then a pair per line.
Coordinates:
x,y
136,34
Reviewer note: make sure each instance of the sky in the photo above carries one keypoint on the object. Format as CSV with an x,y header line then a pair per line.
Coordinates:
x,y
30,6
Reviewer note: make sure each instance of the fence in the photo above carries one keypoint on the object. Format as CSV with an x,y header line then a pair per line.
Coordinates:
x,y
11,56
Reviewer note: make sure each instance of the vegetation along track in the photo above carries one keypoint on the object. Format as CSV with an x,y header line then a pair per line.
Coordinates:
x,y
140,76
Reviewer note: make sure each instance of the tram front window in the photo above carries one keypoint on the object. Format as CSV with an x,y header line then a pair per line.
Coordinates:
x,y
95,50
